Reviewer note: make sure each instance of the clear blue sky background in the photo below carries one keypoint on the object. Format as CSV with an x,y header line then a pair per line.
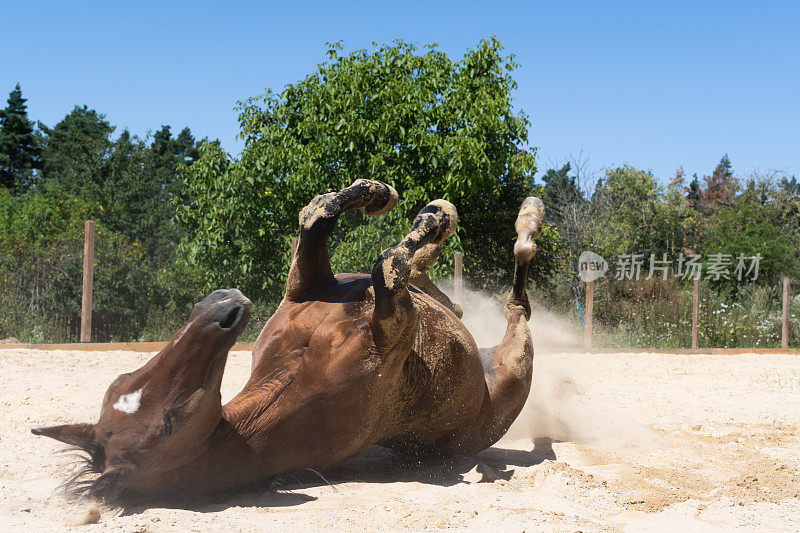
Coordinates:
x,y
655,86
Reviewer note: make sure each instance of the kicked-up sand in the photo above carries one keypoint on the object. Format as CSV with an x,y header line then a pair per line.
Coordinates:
x,y
607,442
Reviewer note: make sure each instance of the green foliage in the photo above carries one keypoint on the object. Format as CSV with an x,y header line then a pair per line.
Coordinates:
x,y
752,225
19,144
659,316
41,237
628,202
560,192
141,288
75,152
168,155
630,213
430,126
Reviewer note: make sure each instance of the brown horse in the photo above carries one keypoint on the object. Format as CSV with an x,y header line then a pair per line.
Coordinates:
x,y
345,362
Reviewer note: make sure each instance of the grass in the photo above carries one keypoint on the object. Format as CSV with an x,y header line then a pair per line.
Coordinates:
x,y
638,317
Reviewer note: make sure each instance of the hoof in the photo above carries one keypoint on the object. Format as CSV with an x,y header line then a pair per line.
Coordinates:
x,y
529,225
370,197
438,219
382,197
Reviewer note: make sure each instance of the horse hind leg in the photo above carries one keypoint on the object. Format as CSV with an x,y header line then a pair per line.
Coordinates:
x,y
423,258
394,319
311,268
529,225
508,367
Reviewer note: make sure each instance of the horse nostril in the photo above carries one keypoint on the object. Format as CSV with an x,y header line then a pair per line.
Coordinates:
x,y
230,318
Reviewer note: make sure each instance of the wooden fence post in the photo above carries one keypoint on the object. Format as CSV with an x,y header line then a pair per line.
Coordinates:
x,y
696,312
785,325
295,241
458,278
587,340
88,281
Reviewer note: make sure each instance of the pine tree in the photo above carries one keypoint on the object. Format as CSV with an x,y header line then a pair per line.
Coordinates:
x,y
720,187
693,191
561,190
76,153
677,181
19,144
166,155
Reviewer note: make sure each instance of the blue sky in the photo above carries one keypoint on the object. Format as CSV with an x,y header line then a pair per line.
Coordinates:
x,y
652,85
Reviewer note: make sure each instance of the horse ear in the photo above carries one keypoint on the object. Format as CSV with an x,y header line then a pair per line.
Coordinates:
x,y
79,435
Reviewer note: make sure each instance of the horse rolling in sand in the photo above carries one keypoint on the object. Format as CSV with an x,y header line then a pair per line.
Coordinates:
x,y
345,362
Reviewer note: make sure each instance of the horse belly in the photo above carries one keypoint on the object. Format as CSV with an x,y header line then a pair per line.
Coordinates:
x,y
443,385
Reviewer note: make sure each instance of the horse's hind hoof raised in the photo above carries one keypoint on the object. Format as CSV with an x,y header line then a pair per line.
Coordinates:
x,y
529,225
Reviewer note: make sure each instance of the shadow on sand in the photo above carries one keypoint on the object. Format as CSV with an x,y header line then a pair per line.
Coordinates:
x,y
376,465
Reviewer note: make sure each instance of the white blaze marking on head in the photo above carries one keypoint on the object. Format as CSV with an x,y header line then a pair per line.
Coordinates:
x,y
129,403
184,330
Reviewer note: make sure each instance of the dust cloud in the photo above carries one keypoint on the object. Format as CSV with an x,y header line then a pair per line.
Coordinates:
x,y
558,408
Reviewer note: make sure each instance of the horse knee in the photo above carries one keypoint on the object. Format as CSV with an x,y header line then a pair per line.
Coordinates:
x,y
394,308
434,223
311,269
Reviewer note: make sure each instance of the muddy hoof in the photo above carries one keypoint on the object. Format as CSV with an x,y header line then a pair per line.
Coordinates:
x,y
529,225
382,197
438,220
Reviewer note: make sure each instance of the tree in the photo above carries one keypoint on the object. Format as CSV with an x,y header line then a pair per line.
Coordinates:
x,y
429,126
749,227
76,152
561,191
720,186
139,182
693,192
19,144
675,217
626,205
568,228
141,290
132,198
678,179
168,153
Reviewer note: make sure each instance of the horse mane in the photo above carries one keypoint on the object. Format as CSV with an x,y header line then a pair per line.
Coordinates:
x,y
87,464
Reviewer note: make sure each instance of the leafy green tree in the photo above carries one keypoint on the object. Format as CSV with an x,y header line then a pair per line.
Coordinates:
x,y
141,289
41,240
19,144
751,226
137,294
128,182
168,154
136,192
788,199
132,198
626,204
76,152
675,217
430,126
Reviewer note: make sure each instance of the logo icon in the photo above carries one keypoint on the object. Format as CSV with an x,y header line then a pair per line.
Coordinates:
x,y
591,266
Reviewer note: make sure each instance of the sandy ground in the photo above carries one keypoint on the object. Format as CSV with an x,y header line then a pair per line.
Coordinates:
x,y
608,442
